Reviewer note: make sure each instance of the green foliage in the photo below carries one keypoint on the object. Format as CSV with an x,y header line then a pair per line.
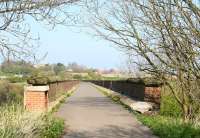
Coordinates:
x,y
14,79
94,76
112,78
59,67
77,77
38,80
40,77
65,95
46,68
17,67
170,107
169,128
53,127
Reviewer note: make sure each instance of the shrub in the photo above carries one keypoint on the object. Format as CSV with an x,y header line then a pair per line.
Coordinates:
x,y
77,77
16,79
38,80
170,107
10,93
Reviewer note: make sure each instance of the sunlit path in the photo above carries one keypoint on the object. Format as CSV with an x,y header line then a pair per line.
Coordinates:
x,y
89,114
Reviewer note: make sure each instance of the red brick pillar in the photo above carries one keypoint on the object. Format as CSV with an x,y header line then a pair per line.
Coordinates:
x,y
152,94
36,98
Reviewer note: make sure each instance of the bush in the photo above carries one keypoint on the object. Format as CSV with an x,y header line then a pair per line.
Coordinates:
x,y
38,80
16,79
11,93
170,107
77,77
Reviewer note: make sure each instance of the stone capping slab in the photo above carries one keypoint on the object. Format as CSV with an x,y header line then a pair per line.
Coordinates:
x,y
36,88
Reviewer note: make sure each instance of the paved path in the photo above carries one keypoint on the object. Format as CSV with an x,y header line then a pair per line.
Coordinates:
x,y
90,114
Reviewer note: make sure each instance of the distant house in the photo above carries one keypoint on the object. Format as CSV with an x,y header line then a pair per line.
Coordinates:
x,y
69,70
39,65
16,75
3,77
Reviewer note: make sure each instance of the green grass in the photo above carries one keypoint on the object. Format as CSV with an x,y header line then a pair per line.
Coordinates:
x,y
62,100
57,106
53,128
169,107
167,127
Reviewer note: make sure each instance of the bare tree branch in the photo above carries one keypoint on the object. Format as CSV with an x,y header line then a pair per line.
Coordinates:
x,y
166,36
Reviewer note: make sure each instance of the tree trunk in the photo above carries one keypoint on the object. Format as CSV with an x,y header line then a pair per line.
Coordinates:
x,y
187,113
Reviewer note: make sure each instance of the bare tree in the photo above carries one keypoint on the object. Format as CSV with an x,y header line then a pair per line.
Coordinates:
x,y
165,37
16,40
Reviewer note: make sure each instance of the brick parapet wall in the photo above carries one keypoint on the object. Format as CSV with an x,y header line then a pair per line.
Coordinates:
x,y
56,89
135,90
36,98
152,94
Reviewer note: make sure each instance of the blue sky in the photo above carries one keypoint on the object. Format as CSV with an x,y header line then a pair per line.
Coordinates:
x,y
65,44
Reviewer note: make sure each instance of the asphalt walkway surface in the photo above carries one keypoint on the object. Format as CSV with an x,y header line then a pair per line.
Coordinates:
x,y
90,114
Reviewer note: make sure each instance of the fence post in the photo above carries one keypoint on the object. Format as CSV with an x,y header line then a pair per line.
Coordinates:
x,y
36,98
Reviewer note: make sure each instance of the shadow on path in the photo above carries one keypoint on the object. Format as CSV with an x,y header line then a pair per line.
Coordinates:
x,y
110,132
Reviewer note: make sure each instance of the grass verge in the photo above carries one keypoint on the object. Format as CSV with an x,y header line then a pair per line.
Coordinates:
x,y
56,126
53,128
167,127
161,126
56,104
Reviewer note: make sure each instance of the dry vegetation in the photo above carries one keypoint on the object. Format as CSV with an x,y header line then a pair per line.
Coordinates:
x,y
16,122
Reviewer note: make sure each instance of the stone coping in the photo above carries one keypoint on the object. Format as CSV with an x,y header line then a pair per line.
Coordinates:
x,y
36,88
